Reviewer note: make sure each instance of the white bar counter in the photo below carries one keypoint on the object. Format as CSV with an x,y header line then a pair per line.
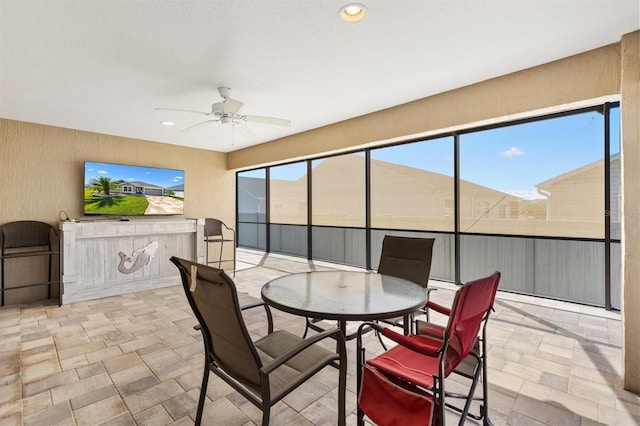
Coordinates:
x,y
107,257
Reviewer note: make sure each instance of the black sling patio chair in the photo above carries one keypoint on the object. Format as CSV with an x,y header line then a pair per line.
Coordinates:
x,y
263,371
408,258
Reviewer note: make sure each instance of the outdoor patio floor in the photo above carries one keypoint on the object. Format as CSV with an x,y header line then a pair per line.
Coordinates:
x,y
135,359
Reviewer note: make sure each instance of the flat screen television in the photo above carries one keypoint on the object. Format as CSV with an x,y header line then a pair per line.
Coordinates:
x,y
128,190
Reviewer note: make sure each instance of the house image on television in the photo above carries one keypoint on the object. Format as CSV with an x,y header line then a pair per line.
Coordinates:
x,y
140,188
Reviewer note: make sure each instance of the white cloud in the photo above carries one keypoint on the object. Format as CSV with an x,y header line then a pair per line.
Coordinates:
x,y
103,172
513,152
177,178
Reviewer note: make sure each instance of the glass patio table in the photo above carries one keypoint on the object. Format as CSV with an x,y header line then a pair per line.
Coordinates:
x,y
345,296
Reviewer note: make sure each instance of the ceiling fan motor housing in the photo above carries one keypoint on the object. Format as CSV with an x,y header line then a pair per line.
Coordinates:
x,y
225,92
228,112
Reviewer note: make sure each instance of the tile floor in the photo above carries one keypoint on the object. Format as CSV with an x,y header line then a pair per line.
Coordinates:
x,y
135,359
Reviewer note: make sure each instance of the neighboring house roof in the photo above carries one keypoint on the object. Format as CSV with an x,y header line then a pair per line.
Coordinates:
x,y
177,187
436,181
571,174
142,184
398,174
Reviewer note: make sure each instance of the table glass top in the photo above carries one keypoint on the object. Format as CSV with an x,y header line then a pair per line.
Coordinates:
x,y
344,295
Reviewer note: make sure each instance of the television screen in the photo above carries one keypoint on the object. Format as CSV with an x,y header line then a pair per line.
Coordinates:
x,y
127,190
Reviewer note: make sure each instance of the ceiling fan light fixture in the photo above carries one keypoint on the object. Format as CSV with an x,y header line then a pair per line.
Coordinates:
x,y
353,12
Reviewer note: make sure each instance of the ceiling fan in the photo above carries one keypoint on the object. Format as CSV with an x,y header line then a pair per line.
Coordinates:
x,y
228,112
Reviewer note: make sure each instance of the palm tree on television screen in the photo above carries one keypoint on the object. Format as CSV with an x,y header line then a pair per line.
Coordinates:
x,y
104,184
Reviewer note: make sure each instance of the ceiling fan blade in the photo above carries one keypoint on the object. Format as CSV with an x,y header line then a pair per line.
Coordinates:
x,y
231,105
199,125
217,107
266,120
244,130
182,110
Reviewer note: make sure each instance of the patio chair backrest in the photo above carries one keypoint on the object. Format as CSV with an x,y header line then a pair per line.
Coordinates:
x,y
26,233
214,300
407,257
471,306
212,227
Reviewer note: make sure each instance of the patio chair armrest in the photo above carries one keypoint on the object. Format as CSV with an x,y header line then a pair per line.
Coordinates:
x,y
229,229
431,330
367,325
420,344
252,305
438,308
335,333
266,309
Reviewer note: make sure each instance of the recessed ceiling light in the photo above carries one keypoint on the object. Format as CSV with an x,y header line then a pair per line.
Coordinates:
x,y
167,123
353,12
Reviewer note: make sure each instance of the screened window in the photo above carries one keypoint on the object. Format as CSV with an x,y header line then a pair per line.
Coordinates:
x,y
528,199
412,186
615,194
252,208
539,178
288,193
338,191
615,207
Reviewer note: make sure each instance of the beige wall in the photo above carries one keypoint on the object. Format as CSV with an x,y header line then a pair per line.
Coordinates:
x,y
630,155
41,170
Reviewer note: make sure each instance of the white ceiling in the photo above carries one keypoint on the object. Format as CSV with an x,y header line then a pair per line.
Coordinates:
x,y
104,65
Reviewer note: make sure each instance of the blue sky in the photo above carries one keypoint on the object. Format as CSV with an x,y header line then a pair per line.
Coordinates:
x,y
511,159
514,159
161,177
